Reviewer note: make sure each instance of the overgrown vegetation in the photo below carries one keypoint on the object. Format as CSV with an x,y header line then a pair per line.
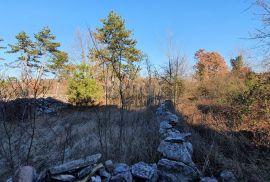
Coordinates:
x,y
228,110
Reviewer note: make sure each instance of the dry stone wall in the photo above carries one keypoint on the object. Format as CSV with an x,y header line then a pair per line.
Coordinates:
x,y
175,164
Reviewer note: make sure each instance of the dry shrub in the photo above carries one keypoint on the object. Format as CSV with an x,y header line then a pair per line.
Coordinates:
x,y
219,145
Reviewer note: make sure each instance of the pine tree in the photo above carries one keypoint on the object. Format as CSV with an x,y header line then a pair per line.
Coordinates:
x,y
119,52
36,58
119,49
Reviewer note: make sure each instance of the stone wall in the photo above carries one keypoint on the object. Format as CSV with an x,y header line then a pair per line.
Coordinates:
x,y
175,165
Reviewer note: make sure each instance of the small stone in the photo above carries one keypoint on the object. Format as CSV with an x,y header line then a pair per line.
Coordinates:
x,y
9,180
103,173
109,165
227,176
208,179
121,173
95,179
144,171
25,174
64,177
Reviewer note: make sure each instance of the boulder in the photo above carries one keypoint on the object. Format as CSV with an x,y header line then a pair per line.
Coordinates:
x,y
75,164
121,173
208,179
181,152
144,171
25,174
227,176
174,171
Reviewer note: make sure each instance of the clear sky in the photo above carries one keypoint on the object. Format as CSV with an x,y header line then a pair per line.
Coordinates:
x,y
215,25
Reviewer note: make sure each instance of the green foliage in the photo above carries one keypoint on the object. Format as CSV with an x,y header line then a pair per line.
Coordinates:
x,y
119,49
83,90
237,63
255,101
40,55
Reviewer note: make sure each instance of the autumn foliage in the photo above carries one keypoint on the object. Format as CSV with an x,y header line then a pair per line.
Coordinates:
x,y
210,64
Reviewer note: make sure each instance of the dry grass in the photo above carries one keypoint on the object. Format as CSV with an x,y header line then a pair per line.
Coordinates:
x,y
76,132
220,144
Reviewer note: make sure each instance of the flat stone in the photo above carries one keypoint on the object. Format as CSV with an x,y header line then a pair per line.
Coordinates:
x,y
75,164
25,174
164,126
64,177
174,137
170,170
144,171
208,179
181,152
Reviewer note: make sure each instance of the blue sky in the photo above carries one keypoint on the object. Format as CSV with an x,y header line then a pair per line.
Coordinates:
x,y
194,24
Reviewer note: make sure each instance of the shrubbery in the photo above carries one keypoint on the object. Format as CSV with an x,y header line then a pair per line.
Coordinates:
x,y
83,89
255,101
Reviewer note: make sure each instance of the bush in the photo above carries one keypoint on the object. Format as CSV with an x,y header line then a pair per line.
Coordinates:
x,y
255,101
83,90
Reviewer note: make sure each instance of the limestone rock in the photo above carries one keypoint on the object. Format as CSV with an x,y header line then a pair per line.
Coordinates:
x,y
75,164
174,171
144,171
181,152
227,176
25,174
64,177
164,127
121,173
174,137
